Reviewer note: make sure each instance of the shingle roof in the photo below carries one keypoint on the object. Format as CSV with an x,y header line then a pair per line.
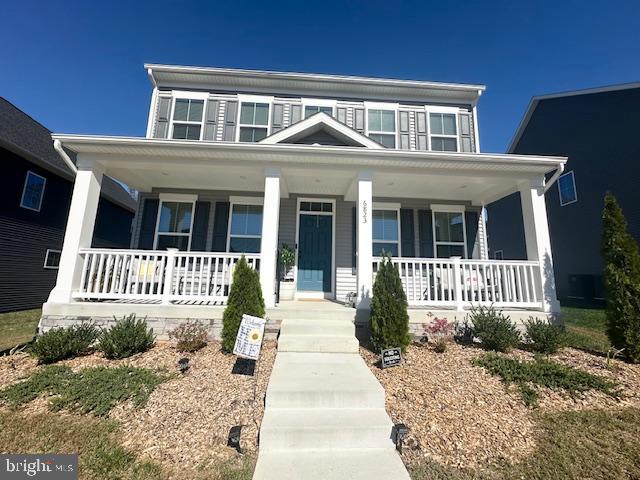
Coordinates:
x,y
28,138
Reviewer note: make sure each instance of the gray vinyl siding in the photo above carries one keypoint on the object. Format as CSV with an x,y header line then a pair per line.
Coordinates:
x,y
221,115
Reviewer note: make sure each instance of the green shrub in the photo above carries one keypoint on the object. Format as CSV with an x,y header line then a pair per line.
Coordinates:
x,y
60,343
96,389
495,331
544,337
389,320
544,373
245,298
127,337
621,281
189,336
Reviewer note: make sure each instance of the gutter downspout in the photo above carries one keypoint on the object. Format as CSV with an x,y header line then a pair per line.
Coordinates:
x,y
57,145
555,177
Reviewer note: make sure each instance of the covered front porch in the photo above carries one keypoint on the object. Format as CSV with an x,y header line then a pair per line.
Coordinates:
x,y
204,205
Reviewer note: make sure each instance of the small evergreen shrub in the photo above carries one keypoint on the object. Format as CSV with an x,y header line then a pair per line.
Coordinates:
x,y
544,337
495,331
245,298
621,281
60,343
389,320
127,337
189,337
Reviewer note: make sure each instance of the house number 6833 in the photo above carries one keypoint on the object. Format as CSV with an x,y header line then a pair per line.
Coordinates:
x,y
364,211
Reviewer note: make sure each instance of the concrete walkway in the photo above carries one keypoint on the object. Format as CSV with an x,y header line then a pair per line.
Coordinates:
x,y
324,416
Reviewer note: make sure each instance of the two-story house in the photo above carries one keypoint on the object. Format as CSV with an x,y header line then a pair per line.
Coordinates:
x,y
340,168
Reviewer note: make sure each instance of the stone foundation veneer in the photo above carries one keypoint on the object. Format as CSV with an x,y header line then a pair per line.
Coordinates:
x,y
160,326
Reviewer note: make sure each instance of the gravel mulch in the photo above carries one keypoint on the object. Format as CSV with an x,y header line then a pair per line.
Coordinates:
x,y
459,415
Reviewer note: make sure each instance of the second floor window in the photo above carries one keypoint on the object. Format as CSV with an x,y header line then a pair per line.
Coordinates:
x,y
444,134
187,119
313,109
567,189
381,126
33,191
254,121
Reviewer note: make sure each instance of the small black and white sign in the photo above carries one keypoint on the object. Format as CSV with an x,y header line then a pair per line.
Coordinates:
x,y
391,357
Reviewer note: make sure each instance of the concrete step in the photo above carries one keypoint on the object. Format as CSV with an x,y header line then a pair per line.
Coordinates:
x,y
322,380
348,464
317,327
318,428
318,343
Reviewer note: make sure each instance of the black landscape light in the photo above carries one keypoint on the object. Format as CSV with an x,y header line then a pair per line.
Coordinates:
x,y
183,365
400,432
234,438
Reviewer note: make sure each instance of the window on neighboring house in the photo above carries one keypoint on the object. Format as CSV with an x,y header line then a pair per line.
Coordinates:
x,y
33,191
52,259
313,109
174,225
254,121
498,255
443,132
245,229
386,233
381,126
449,234
187,119
567,189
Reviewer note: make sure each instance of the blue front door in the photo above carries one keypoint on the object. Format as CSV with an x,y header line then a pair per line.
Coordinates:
x,y
314,253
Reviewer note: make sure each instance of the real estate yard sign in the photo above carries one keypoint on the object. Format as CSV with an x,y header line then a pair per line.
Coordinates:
x,y
249,338
391,357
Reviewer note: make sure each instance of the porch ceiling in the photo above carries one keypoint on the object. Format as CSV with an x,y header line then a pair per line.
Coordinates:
x,y
310,170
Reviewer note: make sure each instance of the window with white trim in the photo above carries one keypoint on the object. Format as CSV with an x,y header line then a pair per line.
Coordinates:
x,y
254,121
449,235
381,126
567,189
174,226
443,132
245,228
386,232
33,191
187,119
313,109
498,255
52,259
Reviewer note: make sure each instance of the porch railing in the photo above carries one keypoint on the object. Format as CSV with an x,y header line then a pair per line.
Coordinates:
x,y
163,276
462,283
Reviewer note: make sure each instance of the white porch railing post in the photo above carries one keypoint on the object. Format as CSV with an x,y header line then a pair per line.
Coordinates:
x,y
457,283
167,280
364,258
79,231
536,230
269,242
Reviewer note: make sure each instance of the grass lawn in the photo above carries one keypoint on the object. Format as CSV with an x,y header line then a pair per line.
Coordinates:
x,y
592,444
18,327
586,328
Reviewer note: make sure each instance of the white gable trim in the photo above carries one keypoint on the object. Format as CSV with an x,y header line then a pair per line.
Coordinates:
x,y
327,121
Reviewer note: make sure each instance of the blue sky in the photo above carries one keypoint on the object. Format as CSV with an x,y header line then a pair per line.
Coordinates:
x,y
77,67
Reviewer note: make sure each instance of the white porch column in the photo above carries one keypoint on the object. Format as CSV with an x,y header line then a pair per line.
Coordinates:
x,y
269,242
364,260
536,230
79,232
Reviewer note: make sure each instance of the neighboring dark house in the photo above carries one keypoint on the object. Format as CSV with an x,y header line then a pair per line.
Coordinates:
x,y
599,130
35,194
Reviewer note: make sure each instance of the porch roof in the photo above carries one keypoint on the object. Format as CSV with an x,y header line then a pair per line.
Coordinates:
x,y
308,169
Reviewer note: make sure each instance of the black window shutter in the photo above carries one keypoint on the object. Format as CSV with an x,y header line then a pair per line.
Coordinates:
x,y
353,239
220,224
406,230
200,224
471,225
425,234
148,223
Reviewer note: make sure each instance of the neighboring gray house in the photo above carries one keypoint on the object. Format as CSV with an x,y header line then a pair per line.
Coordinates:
x,y
598,130
35,194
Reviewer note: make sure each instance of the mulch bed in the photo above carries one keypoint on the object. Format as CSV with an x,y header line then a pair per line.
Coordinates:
x,y
186,422
459,415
